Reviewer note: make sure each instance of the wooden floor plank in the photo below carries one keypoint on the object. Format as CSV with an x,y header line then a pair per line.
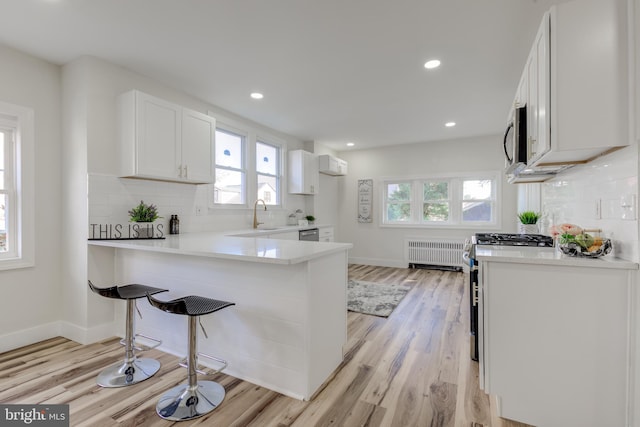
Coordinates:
x,y
410,369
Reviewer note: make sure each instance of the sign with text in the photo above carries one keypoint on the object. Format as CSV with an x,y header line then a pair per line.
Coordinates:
x,y
138,230
365,200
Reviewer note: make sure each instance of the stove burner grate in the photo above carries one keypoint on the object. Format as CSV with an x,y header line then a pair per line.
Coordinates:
x,y
506,239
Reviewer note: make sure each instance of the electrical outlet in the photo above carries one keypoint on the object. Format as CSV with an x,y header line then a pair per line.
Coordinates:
x,y
628,206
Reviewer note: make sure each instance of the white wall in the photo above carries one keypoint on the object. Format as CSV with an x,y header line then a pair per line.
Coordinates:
x,y
325,203
111,197
31,303
377,245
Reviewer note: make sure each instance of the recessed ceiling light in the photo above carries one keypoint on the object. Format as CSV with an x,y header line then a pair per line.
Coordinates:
x,y
350,144
431,64
257,95
450,124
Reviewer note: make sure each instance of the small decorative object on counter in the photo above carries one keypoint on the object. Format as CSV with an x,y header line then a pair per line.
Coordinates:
x,y
310,218
293,219
528,222
144,215
584,244
174,225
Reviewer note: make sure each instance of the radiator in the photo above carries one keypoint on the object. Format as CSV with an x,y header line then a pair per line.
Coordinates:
x,y
433,252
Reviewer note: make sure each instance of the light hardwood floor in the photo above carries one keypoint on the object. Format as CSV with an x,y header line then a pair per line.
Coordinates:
x,y
411,369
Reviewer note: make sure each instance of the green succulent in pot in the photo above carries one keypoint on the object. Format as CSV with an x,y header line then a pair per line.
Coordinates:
x,y
529,217
144,213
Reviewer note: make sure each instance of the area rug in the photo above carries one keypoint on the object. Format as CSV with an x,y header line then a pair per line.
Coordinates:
x,y
377,299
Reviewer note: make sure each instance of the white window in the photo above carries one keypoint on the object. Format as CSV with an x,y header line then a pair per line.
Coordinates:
x,y
8,194
16,187
478,201
447,201
398,200
231,175
436,201
268,172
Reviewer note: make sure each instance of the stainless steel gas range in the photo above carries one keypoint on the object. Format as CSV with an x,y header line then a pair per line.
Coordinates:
x,y
491,239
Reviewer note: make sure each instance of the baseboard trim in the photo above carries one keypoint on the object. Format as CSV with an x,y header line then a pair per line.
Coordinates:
x,y
68,330
87,335
28,336
379,262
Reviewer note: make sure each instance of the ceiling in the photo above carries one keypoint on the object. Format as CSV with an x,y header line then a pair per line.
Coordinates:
x,y
331,71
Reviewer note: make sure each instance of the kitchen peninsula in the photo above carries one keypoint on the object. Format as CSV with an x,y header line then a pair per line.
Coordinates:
x,y
288,328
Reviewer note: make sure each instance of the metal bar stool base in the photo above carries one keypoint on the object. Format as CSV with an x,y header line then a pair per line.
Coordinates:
x,y
127,373
180,403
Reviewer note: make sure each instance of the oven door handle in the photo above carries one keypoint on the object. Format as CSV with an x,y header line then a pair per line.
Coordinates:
x,y
476,298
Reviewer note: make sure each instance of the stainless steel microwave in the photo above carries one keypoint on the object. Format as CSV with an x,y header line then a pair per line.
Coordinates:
x,y
515,140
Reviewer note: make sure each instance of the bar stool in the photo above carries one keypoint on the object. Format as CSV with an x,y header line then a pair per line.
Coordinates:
x,y
196,398
132,370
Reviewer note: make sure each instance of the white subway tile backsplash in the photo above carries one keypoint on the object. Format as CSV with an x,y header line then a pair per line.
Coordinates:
x,y
572,197
110,198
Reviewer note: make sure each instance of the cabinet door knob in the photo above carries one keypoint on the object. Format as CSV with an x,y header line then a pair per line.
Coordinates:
x,y
186,172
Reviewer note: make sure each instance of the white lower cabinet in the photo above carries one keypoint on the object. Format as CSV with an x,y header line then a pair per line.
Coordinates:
x,y
326,234
555,342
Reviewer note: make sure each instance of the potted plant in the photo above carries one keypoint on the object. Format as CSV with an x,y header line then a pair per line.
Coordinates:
x,y
528,222
310,218
144,215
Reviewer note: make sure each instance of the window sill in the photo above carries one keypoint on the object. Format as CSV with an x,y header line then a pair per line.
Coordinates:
x,y
483,226
15,263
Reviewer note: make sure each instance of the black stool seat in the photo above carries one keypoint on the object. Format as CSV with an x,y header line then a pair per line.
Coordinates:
x,y
191,305
133,291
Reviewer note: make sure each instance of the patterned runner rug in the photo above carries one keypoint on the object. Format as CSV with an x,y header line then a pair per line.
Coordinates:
x,y
377,299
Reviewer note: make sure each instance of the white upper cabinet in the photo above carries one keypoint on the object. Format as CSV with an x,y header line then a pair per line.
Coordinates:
x,y
576,84
537,72
330,165
164,141
303,172
198,137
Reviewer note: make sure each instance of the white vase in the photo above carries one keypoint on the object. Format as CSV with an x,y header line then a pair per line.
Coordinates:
x,y
528,229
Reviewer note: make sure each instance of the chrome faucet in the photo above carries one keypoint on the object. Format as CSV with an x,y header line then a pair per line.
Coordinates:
x,y
255,216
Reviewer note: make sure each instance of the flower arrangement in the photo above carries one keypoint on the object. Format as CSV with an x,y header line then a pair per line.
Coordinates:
x,y
528,217
310,218
143,213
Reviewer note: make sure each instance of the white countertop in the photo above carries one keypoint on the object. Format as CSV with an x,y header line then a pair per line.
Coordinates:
x,y
547,256
228,245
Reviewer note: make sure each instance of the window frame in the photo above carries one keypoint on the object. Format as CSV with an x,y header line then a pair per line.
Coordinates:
x,y
244,170
251,136
455,184
386,201
19,121
449,200
280,148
